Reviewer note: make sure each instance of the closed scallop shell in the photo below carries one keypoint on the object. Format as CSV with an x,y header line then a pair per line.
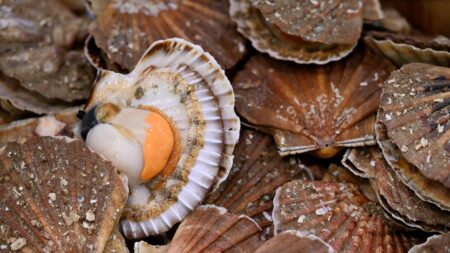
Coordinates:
x,y
200,104
372,10
212,229
58,196
61,123
300,31
338,214
125,29
414,113
400,202
292,241
360,161
313,108
434,244
404,49
258,170
39,49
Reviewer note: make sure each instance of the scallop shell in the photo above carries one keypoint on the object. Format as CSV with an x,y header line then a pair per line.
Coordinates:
x,y
58,197
124,29
310,108
18,100
398,200
404,49
434,244
372,10
414,129
37,49
212,229
257,172
116,243
202,110
61,123
292,241
360,161
338,214
280,30
144,247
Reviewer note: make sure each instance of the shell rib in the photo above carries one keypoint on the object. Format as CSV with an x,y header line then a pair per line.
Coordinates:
x,y
58,196
309,108
258,170
202,108
338,214
292,241
125,28
297,30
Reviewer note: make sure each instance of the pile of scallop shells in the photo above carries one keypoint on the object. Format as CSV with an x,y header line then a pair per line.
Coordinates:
x,y
224,126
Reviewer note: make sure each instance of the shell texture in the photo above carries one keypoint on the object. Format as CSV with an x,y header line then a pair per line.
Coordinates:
x,y
292,241
300,31
400,202
415,109
309,108
61,123
185,83
58,196
38,49
125,29
338,214
258,170
404,49
434,244
212,229
372,10
116,243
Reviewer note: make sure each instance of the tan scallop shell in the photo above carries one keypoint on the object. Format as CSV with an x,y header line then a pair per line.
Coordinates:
x,y
313,108
292,241
124,29
258,170
372,10
201,106
434,244
338,214
400,202
57,196
282,30
403,49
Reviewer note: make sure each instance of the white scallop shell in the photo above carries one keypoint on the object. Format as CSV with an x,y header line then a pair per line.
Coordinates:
x,y
200,71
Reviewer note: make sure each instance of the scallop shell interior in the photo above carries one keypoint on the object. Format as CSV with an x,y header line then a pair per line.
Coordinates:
x,y
308,108
315,37
186,84
58,196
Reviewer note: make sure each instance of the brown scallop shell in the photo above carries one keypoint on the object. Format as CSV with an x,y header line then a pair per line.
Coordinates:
x,y
58,196
360,161
292,241
212,229
61,123
414,108
403,49
434,244
300,31
372,10
401,203
310,108
125,29
258,170
338,214
38,50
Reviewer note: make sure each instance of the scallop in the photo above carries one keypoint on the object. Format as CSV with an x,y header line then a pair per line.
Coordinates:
x,y
57,196
292,241
434,244
170,126
124,29
313,108
300,31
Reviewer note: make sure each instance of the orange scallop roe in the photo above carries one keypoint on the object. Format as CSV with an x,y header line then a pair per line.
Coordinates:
x,y
158,146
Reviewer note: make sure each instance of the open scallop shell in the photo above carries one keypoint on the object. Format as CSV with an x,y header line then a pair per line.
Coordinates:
x,y
57,196
258,170
201,106
404,49
338,214
401,203
292,241
125,29
281,30
310,108
434,244
61,123
38,49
